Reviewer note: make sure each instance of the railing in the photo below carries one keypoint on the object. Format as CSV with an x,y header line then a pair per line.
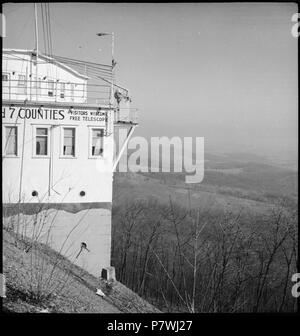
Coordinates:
x,y
81,93
126,116
51,91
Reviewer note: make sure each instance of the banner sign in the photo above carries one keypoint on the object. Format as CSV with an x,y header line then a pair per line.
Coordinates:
x,y
53,115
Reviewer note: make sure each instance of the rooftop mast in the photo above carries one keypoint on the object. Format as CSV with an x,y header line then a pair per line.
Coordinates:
x,y
113,63
36,48
112,68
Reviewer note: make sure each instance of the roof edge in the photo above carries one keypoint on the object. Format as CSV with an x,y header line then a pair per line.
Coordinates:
x,y
41,55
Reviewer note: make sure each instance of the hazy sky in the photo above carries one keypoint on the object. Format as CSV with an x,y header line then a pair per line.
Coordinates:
x,y
227,72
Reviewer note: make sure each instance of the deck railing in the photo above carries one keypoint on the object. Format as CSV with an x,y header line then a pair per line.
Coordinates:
x,y
126,116
55,91
77,93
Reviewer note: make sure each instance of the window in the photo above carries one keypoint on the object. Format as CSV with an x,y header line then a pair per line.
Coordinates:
x,y
80,90
39,85
62,90
97,142
5,77
42,141
50,88
21,84
21,80
35,82
5,83
36,85
69,142
11,143
72,92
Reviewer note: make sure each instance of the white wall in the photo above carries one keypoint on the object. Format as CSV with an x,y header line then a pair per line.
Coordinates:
x,y
67,176
24,63
64,232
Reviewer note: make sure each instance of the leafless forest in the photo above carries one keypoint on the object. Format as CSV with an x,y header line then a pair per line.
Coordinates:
x,y
195,260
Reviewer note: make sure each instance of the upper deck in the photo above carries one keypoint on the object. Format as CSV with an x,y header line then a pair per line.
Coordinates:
x,y
44,81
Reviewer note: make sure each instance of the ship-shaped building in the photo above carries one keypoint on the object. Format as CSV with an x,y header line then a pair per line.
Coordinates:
x,y
59,121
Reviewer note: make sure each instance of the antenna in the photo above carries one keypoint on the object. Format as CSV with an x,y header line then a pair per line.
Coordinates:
x,y
36,48
112,68
113,63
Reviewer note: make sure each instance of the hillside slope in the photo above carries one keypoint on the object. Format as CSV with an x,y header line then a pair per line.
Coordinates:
x,y
131,187
38,279
234,182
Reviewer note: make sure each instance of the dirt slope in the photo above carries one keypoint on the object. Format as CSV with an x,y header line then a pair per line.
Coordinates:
x,y
40,280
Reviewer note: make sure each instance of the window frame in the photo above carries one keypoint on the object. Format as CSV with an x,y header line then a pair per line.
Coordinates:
x,y
4,130
22,84
19,80
62,90
72,92
5,74
62,137
36,85
38,156
48,88
79,87
90,142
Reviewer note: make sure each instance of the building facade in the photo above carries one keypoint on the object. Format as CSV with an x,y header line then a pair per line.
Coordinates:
x,y
58,158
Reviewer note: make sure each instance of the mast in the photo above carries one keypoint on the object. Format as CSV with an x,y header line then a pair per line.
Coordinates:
x,y
113,63
112,68
36,48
